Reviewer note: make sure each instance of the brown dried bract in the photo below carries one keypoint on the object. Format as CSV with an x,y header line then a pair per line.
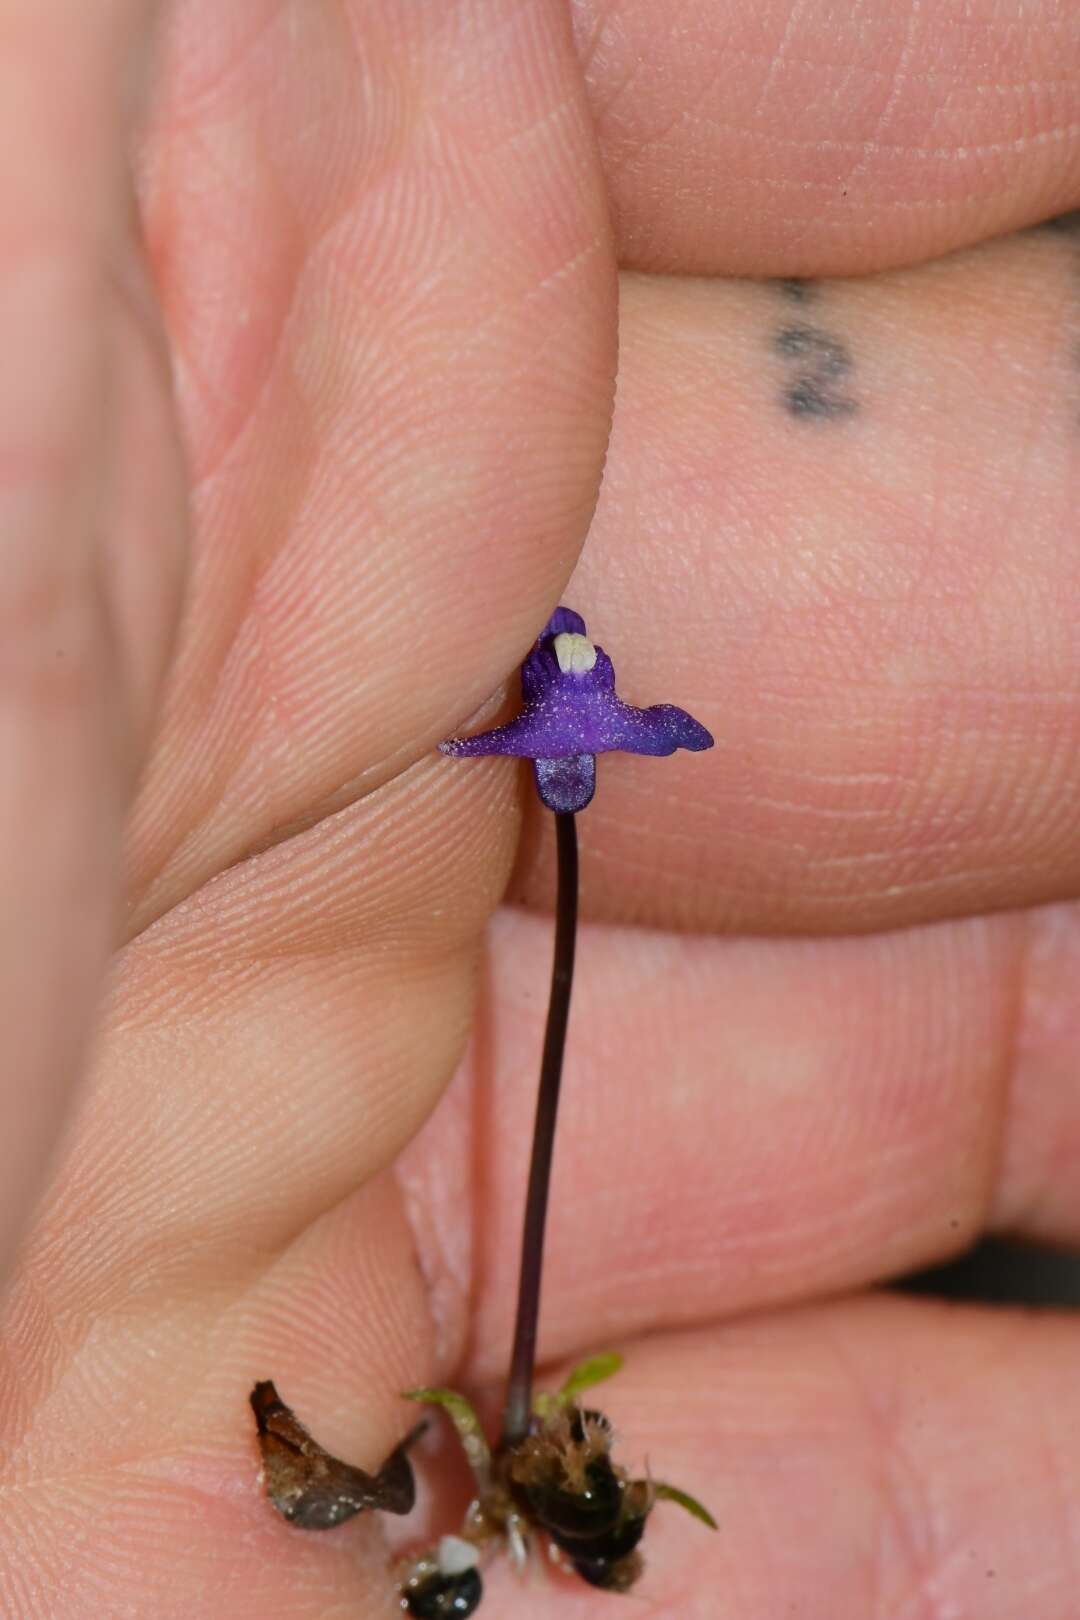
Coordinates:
x,y
314,1490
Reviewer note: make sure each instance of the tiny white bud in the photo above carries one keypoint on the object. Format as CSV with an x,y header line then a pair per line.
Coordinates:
x,y
576,654
455,1555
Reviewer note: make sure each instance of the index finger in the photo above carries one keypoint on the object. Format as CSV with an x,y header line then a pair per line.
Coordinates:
x,y
772,137
840,529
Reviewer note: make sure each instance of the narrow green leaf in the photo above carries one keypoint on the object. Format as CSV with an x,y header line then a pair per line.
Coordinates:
x,y
587,1373
670,1493
468,1426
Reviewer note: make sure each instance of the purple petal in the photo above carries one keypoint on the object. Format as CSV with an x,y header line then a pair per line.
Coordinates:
x,y
563,621
539,671
659,730
528,736
566,785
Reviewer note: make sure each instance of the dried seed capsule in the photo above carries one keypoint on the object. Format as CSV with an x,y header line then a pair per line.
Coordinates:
x,y
311,1488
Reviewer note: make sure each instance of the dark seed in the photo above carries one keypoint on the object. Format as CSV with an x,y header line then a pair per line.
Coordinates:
x,y
441,1596
611,1575
583,1514
606,1546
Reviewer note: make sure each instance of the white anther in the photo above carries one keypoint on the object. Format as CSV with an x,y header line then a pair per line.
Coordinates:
x,y
576,654
455,1555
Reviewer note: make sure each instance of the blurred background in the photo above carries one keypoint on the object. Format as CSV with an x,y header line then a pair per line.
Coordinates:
x,y
1003,1273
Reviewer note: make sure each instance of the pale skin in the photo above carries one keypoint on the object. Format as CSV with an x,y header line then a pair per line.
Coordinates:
x,y
382,244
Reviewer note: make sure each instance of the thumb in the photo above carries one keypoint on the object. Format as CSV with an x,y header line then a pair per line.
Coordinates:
x,y
87,590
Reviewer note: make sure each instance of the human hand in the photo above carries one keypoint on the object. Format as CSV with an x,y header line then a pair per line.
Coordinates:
x,y
381,242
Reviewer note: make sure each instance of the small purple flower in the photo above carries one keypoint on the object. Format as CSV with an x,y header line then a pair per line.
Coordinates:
x,y
571,712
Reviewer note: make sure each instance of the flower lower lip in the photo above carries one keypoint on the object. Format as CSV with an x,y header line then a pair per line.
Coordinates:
x,y
570,709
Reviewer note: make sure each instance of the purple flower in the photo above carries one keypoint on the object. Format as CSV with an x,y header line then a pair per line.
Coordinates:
x,y
570,713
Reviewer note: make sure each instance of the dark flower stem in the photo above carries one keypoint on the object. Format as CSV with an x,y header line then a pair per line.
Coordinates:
x,y
518,1410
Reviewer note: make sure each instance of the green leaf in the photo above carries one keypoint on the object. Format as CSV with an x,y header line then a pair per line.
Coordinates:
x,y
587,1373
468,1426
590,1372
670,1493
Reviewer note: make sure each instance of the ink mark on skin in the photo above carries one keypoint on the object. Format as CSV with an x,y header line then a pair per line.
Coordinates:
x,y
798,290
818,367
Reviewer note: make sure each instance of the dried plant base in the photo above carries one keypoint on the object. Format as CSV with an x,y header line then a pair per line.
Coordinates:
x,y
559,1484
311,1488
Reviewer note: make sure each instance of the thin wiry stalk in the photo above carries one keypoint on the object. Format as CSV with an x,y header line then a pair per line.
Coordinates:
x,y
518,1407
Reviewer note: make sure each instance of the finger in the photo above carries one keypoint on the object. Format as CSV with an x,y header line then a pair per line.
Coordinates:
x,y
742,1124
156,1478
797,140
397,445
842,533
220,1216
90,578
854,1457
271,1046
175,1216
1038,1195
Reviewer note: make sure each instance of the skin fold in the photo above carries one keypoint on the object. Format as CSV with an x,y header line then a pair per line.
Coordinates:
x,y
313,311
